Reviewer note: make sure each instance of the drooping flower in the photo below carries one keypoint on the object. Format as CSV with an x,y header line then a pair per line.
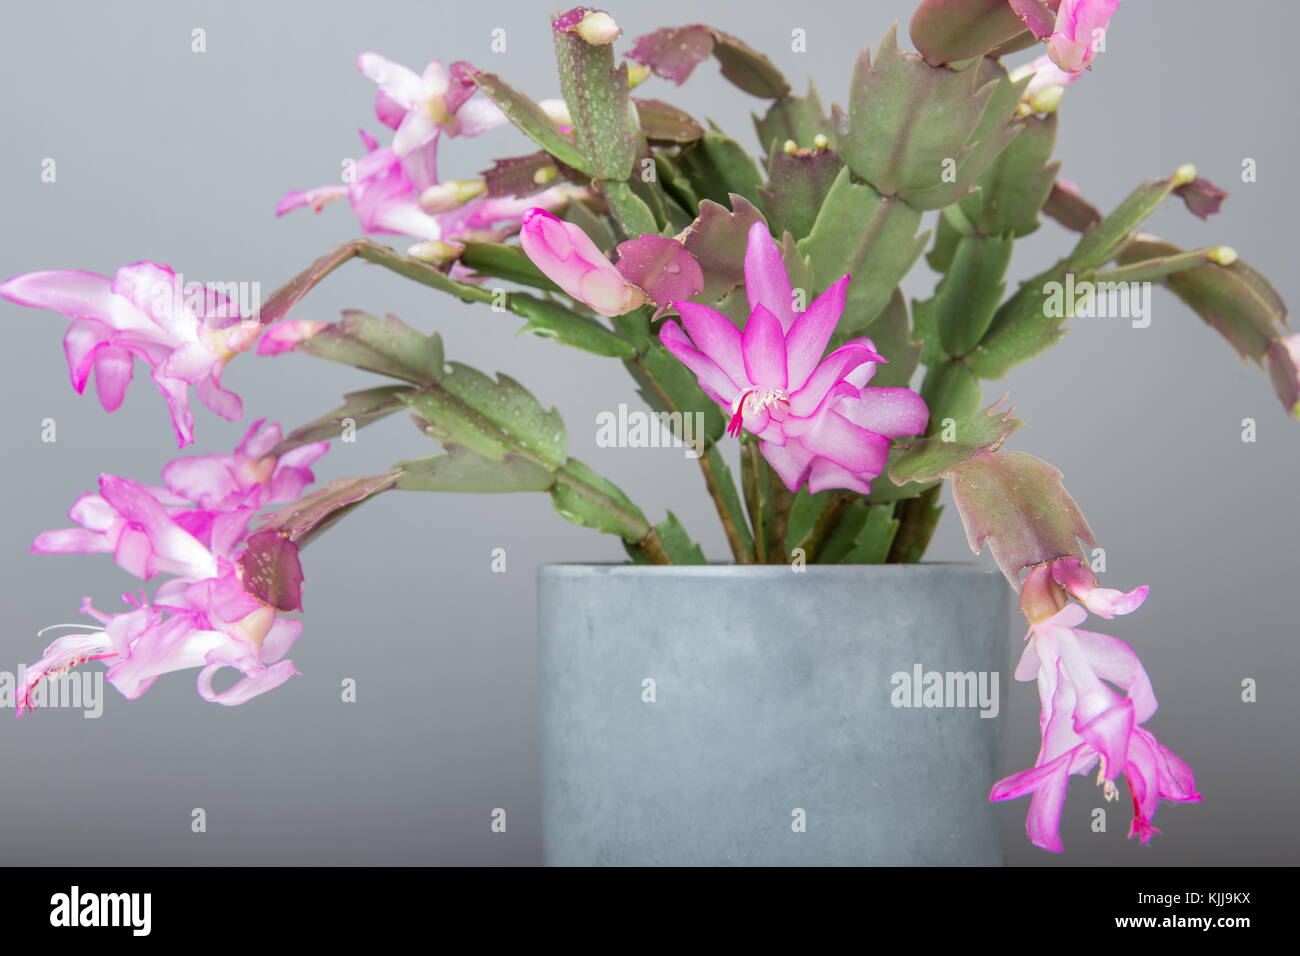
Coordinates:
x,y
386,200
185,332
817,421
144,535
198,518
249,477
1080,25
1086,721
212,624
572,261
195,529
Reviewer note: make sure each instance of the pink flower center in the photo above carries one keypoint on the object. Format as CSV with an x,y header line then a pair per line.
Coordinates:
x,y
775,401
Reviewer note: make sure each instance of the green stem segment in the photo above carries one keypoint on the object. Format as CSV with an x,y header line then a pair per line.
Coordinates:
x,y
751,472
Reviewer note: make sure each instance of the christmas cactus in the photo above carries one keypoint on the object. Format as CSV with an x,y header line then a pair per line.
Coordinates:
x,y
754,300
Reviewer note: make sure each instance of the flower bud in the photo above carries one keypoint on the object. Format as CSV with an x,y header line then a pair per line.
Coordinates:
x,y
436,252
1223,255
568,257
452,194
598,28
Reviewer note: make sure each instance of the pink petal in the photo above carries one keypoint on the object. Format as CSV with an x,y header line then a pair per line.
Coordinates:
x,y
388,111
852,448
1113,660
316,198
219,400
766,281
246,689
812,330
791,462
763,347
71,541
715,335
284,336
831,372
892,412
80,343
78,295
113,369
402,85
825,475
478,115
712,379
175,550
206,480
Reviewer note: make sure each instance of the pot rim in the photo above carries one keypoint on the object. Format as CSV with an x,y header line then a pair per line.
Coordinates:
x,y
722,569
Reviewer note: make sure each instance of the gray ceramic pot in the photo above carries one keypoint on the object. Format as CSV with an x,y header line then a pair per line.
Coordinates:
x,y
758,715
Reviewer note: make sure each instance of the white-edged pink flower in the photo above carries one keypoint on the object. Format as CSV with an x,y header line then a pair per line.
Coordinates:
x,y
386,200
197,519
185,332
1095,695
422,106
210,624
249,477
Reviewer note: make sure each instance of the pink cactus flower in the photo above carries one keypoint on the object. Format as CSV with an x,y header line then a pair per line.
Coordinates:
x,y
250,477
1086,722
1079,26
386,200
197,520
185,332
421,107
572,261
817,421
212,624
130,522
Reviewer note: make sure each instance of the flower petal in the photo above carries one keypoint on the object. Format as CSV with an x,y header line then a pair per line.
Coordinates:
x,y
812,330
763,347
766,281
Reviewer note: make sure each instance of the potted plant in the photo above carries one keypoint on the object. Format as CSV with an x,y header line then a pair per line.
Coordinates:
x,y
820,698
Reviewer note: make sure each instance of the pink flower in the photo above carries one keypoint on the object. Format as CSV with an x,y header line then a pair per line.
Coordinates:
x,y
211,624
386,200
1086,721
250,477
146,531
186,333
1080,24
1044,75
420,107
197,520
817,422
572,261
1081,585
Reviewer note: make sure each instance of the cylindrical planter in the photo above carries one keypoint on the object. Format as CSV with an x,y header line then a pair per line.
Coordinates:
x,y
840,715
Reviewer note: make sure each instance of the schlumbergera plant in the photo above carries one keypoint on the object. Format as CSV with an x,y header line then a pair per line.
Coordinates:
x,y
754,302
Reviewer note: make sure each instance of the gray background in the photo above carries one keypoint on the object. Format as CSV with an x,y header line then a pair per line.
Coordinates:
x,y
179,157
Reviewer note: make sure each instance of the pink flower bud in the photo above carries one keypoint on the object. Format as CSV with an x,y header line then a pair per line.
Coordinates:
x,y
572,261
1080,29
